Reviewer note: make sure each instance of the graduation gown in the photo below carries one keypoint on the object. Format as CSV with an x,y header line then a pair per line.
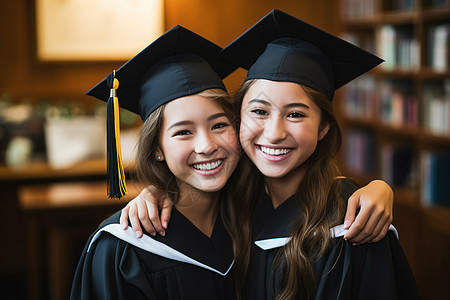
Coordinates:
x,y
185,264
370,271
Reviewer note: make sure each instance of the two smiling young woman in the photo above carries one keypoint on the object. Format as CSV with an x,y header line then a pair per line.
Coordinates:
x,y
271,220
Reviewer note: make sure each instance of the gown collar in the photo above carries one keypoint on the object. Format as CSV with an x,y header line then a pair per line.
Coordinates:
x,y
275,223
183,242
272,226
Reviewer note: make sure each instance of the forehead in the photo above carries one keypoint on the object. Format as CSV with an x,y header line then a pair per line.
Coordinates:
x,y
276,92
191,107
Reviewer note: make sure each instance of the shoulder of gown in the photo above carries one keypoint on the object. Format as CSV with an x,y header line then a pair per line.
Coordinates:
x,y
369,271
113,268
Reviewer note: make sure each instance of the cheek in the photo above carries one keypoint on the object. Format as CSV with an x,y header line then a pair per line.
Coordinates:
x,y
308,137
174,151
249,129
231,142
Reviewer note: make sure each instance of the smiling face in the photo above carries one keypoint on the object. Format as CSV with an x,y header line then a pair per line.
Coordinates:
x,y
198,143
280,127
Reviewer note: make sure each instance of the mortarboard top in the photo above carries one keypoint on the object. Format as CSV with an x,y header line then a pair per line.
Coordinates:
x,y
281,47
179,63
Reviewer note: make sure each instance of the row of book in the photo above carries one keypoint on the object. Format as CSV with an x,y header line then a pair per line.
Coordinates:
x,y
399,166
436,178
403,5
438,47
395,103
357,9
401,50
436,100
359,153
398,105
360,97
363,40
398,47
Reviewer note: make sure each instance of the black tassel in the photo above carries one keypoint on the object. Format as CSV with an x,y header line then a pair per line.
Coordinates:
x,y
114,167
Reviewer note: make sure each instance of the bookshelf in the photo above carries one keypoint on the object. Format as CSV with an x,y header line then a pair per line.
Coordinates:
x,y
396,121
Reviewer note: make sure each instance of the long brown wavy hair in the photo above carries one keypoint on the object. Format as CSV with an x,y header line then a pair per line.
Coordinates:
x,y
320,205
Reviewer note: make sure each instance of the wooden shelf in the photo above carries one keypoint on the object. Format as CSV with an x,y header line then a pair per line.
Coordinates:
x,y
436,14
429,73
425,136
419,134
429,223
72,194
358,23
407,197
42,170
400,18
438,218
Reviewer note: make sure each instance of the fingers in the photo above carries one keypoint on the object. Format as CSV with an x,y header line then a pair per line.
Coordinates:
x,y
143,211
152,215
353,203
358,230
166,211
134,220
124,217
380,230
143,216
375,216
382,233
370,225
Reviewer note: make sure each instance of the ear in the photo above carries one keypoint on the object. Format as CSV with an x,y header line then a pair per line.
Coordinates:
x,y
323,131
159,155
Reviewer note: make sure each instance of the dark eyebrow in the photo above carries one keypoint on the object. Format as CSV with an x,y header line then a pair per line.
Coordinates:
x,y
218,115
182,123
297,104
290,105
265,102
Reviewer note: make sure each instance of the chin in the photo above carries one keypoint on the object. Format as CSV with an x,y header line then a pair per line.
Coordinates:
x,y
272,173
210,188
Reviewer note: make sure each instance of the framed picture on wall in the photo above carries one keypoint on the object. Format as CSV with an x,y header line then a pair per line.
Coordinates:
x,y
100,30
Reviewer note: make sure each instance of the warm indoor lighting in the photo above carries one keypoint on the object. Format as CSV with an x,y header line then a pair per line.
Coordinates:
x,y
96,30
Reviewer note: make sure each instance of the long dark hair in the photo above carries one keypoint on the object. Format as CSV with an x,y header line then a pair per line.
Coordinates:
x,y
319,202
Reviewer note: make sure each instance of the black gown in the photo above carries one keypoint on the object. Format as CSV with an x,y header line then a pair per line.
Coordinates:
x,y
370,271
185,264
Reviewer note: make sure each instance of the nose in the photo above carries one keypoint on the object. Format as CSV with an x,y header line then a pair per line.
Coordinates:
x,y
205,143
275,130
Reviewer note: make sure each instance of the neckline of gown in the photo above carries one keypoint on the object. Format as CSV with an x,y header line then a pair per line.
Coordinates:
x,y
273,222
184,237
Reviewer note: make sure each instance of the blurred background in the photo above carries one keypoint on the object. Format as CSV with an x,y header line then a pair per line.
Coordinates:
x,y
395,120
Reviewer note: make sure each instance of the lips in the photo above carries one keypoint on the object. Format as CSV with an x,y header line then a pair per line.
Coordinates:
x,y
275,154
208,166
275,151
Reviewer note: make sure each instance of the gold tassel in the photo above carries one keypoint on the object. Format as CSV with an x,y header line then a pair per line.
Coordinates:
x,y
115,171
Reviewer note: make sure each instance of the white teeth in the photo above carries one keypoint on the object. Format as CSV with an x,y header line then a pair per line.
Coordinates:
x,y
272,151
208,166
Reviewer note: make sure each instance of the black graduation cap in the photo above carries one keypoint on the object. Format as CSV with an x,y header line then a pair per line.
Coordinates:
x,y
281,47
179,63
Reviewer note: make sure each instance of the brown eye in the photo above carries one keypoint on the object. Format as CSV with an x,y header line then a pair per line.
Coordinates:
x,y
182,132
220,125
259,112
296,115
